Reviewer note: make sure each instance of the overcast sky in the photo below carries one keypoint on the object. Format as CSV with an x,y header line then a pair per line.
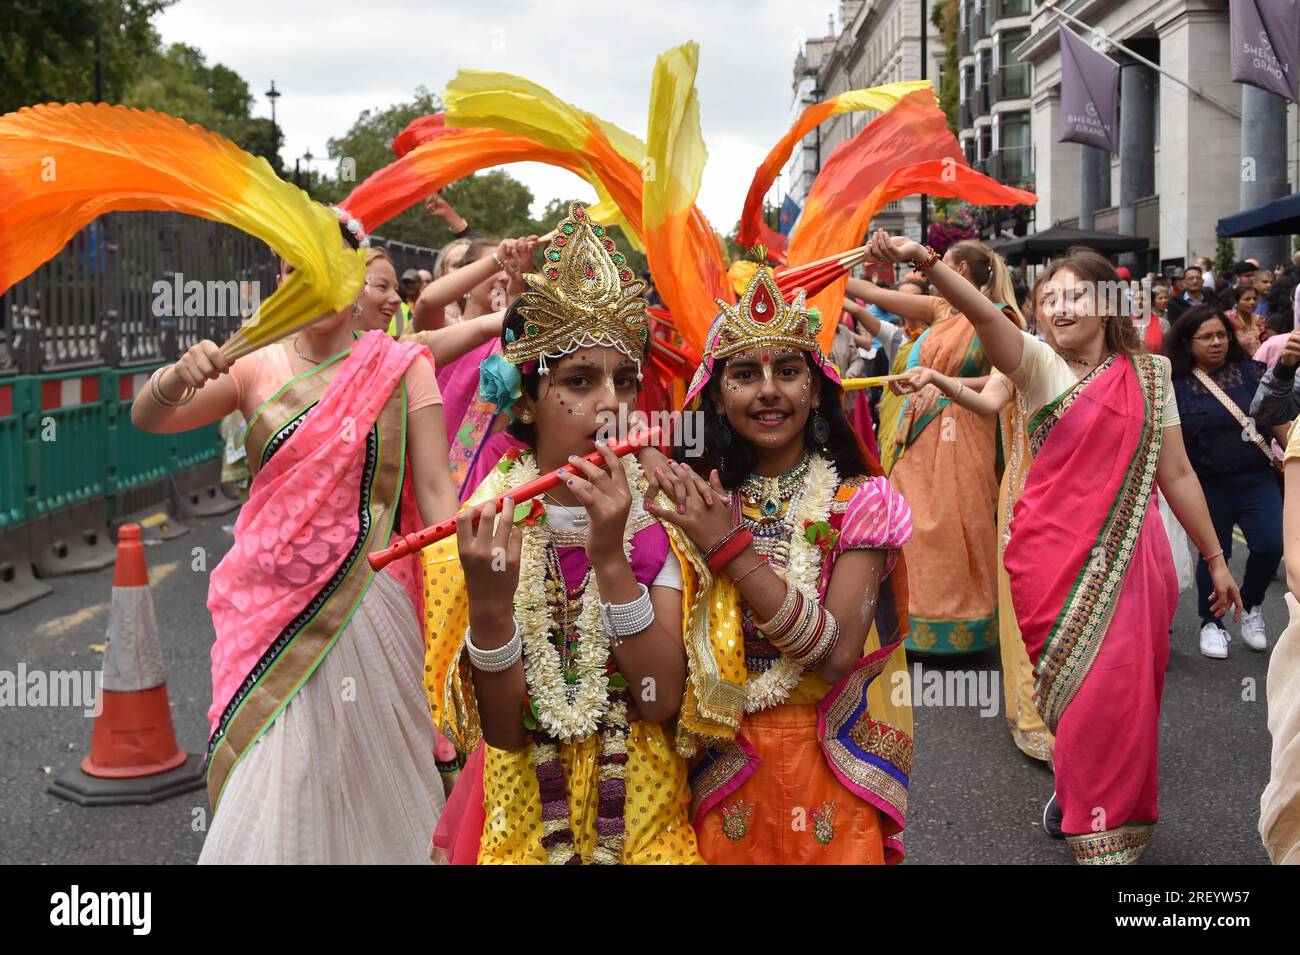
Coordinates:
x,y
333,59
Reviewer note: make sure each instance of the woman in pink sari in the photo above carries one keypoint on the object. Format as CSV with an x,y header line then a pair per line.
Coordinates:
x,y
476,433
1092,577
321,745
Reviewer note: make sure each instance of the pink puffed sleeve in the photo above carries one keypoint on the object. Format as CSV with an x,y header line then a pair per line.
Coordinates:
x,y
421,383
877,517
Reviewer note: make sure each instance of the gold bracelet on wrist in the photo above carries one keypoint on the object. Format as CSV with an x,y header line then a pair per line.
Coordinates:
x,y
155,390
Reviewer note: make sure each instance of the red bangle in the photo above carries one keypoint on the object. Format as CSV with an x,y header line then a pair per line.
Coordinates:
x,y
929,262
730,549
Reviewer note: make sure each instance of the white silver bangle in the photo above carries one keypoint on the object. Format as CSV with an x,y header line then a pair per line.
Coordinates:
x,y
624,620
494,661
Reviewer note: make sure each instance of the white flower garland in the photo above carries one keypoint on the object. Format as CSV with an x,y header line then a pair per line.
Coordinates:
x,y
811,503
568,713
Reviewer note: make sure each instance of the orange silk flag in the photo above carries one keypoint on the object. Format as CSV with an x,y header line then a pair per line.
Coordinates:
x,y
63,165
753,230
442,159
906,150
512,104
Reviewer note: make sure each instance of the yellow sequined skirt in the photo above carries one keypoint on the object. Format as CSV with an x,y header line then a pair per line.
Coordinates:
x,y
656,817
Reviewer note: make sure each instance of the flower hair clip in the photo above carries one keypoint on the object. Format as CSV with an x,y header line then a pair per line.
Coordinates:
x,y
500,383
353,225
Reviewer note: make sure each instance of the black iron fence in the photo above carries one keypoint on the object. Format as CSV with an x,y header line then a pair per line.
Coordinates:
x,y
121,292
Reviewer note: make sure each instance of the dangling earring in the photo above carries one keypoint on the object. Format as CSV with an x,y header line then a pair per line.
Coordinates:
x,y
356,310
821,429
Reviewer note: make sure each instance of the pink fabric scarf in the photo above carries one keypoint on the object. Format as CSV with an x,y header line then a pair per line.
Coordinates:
x,y
302,518
1106,736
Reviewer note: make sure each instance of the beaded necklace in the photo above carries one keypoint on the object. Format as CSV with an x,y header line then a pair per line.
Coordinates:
x,y
769,493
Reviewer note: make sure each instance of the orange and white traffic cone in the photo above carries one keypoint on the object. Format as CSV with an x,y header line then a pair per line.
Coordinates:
x,y
133,753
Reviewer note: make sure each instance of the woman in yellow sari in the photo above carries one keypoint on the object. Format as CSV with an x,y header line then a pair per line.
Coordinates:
x,y
942,458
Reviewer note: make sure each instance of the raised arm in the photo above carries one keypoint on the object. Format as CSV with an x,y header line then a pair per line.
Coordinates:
x,y
448,344
863,317
994,395
456,284
918,308
1002,340
203,368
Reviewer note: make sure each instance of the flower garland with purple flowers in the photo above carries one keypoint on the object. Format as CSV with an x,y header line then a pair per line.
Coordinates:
x,y
573,689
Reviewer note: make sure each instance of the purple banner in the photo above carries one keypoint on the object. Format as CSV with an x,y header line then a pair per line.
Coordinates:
x,y
1265,40
1089,94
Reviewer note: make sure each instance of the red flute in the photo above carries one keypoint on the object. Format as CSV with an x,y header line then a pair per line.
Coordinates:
x,y
419,540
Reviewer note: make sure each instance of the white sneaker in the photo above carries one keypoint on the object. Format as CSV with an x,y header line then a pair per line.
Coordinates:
x,y
1214,641
1252,629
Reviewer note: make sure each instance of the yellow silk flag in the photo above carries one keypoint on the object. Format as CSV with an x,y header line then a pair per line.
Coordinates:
x,y
681,249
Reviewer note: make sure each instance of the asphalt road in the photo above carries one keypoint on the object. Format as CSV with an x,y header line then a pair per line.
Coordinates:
x,y
974,798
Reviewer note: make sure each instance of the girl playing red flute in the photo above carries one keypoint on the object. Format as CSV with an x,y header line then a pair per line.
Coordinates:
x,y
555,633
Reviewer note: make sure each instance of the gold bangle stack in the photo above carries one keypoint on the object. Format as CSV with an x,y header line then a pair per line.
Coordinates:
x,y
802,629
156,391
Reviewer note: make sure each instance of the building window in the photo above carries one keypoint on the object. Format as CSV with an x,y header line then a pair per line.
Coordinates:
x,y
1015,75
1015,8
1013,146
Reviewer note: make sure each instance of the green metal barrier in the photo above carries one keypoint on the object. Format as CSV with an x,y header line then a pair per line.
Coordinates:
x,y
134,457
195,447
66,438
15,399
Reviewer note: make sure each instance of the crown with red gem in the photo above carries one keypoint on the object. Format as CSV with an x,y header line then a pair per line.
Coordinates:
x,y
585,295
764,318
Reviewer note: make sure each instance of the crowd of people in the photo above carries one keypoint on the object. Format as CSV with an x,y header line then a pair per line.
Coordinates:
x,y
669,657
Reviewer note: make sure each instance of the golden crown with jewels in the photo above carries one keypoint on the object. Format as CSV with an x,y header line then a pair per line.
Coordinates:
x,y
584,296
764,318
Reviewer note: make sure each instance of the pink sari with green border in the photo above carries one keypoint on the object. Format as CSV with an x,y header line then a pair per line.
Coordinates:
x,y
1094,592
474,448
330,485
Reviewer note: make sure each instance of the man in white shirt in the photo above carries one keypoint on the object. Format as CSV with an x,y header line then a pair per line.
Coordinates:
x,y
1207,276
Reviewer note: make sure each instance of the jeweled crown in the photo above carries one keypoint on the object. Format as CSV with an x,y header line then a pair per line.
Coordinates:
x,y
585,295
764,318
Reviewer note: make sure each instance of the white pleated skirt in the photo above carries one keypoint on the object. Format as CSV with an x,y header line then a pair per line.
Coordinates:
x,y
346,773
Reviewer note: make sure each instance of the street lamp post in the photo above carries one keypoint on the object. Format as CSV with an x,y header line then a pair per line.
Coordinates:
x,y
925,200
308,158
273,94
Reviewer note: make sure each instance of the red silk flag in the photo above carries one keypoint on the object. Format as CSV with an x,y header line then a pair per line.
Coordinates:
x,y
905,151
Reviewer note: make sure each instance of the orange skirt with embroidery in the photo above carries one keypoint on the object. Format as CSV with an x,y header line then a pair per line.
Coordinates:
x,y
792,810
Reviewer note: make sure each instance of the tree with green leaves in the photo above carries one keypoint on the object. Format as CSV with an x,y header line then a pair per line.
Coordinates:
x,y
179,82
945,15
49,49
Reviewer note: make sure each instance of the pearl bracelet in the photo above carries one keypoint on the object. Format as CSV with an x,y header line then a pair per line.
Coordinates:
x,y
624,620
501,658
